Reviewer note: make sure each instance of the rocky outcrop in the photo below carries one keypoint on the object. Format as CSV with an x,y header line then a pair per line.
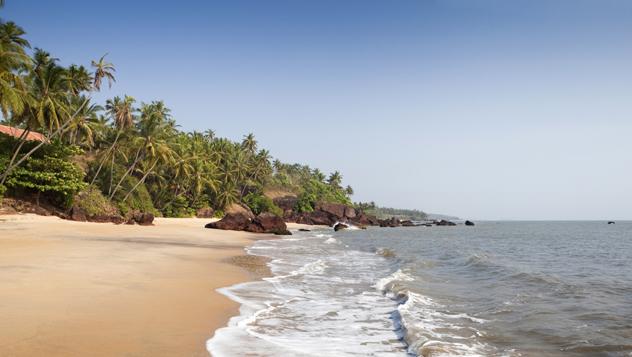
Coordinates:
x,y
263,223
469,223
340,226
443,222
363,219
144,218
336,210
391,223
407,223
206,212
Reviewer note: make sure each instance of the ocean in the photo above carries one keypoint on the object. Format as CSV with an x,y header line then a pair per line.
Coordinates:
x,y
495,289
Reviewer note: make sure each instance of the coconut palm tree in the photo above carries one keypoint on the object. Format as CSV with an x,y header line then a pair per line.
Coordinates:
x,y
103,70
78,79
86,122
13,59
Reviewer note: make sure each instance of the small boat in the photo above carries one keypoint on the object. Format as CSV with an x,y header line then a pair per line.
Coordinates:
x,y
611,222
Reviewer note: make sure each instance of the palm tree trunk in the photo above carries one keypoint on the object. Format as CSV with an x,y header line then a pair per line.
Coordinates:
x,y
107,154
140,181
129,170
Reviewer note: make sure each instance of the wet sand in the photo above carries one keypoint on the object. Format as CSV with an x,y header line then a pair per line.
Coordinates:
x,y
90,289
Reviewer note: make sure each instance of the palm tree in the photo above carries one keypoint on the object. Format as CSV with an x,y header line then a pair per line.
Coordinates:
x,y
335,179
13,59
249,143
154,128
122,113
86,122
78,78
103,70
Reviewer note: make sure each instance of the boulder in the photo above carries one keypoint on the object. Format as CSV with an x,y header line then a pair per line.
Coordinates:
x,y
392,222
340,226
144,218
407,223
318,218
335,209
206,212
231,222
443,222
469,223
363,219
268,223
350,212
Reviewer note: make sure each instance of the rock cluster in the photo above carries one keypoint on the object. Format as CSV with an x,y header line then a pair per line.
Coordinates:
x,y
263,223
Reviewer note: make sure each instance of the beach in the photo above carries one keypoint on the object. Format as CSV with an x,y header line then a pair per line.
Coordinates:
x,y
76,289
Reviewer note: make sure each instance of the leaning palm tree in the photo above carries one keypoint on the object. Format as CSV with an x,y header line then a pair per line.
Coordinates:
x,y
122,113
82,129
103,70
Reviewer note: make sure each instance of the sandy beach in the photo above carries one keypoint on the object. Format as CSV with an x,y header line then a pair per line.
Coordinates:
x,y
79,289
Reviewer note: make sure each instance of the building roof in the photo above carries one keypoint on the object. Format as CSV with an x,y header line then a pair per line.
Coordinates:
x,y
15,132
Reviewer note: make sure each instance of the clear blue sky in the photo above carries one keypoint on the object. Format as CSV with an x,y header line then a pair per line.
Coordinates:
x,y
481,109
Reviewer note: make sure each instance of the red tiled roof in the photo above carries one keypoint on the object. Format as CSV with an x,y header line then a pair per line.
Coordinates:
x,y
15,132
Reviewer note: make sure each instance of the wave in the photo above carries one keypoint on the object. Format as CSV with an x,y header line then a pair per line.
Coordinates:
x,y
426,326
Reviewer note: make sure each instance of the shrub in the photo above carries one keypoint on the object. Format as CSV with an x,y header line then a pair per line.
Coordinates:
x,y
92,201
259,203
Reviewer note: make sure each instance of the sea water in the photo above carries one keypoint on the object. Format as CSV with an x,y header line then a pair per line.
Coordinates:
x,y
496,289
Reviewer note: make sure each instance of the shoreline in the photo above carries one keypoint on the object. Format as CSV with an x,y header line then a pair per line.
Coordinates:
x,y
76,288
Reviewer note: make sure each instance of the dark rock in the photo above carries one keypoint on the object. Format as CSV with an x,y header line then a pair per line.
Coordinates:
x,y
469,223
319,218
611,222
231,222
443,222
268,223
407,223
144,218
205,212
362,219
304,230
393,222
335,209
340,226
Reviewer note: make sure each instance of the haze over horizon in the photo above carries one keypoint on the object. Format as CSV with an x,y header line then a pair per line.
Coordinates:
x,y
485,110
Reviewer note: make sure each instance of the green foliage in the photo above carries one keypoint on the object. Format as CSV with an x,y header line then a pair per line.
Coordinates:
x,y
49,173
178,208
3,189
139,200
317,191
218,214
259,203
93,202
387,212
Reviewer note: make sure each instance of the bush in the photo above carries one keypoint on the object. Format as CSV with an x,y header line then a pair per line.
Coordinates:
x,y
259,203
139,200
50,173
318,191
92,201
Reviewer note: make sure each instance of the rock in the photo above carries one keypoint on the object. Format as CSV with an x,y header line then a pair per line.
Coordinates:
x,y
304,230
469,223
611,222
350,212
340,226
268,223
335,209
443,222
144,219
206,212
318,218
236,208
407,223
231,222
362,219
393,222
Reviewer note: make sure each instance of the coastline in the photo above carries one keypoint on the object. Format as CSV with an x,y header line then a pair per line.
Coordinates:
x,y
74,288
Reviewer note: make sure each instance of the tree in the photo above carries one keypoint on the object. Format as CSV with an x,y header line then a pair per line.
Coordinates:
x,y
103,70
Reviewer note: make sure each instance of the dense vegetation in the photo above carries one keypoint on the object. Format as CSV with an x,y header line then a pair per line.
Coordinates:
x,y
127,154
386,212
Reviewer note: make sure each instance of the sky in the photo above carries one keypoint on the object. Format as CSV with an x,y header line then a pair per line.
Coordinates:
x,y
479,109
